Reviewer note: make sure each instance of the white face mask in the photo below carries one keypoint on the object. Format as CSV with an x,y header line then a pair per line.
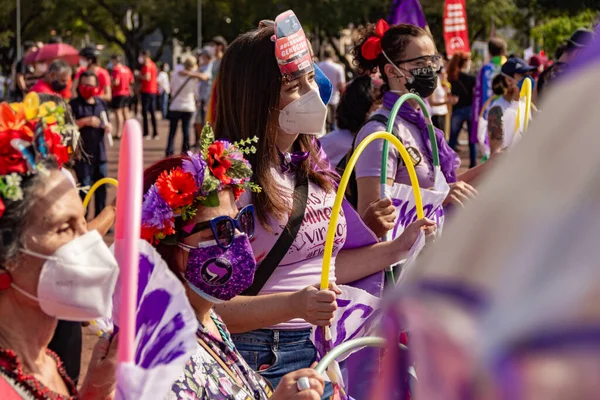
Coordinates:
x,y
83,62
77,282
141,60
304,115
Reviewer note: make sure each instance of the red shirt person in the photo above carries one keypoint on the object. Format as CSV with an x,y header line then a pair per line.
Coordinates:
x,y
122,79
89,62
55,81
149,91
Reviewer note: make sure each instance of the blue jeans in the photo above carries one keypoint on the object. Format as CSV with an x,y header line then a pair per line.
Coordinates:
x,y
163,101
459,116
174,118
275,353
87,175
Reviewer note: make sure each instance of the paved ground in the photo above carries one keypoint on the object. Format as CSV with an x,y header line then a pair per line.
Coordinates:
x,y
154,151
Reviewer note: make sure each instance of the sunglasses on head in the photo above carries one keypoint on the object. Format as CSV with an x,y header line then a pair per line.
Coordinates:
x,y
223,227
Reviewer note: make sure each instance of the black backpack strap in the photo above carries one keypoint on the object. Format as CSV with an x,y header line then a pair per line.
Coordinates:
x,y
283,244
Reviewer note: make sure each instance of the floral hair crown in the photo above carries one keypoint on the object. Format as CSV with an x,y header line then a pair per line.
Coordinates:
x,y
30,133
178,192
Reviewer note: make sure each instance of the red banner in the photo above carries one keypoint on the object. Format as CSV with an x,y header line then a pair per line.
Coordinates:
x,y
456,32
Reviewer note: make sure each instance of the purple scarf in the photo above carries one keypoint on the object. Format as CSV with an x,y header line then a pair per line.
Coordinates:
x,y
449,160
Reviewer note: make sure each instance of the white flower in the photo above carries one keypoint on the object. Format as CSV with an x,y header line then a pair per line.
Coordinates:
x,y
13,193
13,179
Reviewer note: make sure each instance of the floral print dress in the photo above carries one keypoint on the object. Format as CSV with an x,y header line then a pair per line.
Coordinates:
x,y
205,378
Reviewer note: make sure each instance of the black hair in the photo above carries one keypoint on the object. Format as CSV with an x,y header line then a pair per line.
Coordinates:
x,y
28,45
499,85
355,104
560,50
145,53
58,66
16,215
328,53
394,43
497,47
89,74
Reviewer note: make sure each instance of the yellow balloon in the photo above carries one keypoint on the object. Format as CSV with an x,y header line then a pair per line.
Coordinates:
x,y
337,204
95,186
525,92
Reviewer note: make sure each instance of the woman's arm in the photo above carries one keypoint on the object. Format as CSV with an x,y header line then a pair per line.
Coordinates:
x,y
104,221
351,265
247,313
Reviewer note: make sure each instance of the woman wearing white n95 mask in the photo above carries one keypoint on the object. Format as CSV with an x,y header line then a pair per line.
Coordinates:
x,y
51,268
264,90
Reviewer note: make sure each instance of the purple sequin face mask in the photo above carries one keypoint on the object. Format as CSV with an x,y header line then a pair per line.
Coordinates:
x,y
219,275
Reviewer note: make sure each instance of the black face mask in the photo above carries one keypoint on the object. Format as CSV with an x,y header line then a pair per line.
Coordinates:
x,y
58,86
424,81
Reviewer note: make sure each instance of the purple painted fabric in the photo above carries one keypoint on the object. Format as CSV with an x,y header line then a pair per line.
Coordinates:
x,y
222,274
407,12
449,160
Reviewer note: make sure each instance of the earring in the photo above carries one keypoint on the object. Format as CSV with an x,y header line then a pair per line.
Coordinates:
x,y
5,279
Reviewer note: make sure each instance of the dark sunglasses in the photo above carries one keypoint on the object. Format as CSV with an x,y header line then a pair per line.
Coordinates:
x,y
223,227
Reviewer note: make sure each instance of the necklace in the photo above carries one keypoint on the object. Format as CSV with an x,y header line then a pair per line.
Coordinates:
x,y
11,367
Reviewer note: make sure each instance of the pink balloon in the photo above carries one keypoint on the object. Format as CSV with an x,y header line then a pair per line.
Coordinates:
x,y
127,232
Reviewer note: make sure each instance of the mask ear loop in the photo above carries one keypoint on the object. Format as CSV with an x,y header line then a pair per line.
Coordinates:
x,y
409,79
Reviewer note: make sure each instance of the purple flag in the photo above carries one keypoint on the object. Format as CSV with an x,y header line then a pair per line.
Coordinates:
x,y
407,12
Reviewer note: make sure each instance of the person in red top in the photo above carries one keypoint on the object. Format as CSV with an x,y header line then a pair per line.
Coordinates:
x,y
89,62
55,80
122,78
149,90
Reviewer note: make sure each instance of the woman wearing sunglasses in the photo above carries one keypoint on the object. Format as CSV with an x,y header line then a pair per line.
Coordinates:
x,y
189,214
272,89
405,55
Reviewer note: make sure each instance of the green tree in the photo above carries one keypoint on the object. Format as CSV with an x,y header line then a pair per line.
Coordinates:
x,y
555,31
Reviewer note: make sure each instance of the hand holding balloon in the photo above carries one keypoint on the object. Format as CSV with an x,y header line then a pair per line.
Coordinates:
x,y
380,216
403,243
316,306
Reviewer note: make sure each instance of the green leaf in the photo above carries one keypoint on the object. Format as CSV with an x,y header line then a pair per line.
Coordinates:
x,y
239,170
210,182
207,137
212,200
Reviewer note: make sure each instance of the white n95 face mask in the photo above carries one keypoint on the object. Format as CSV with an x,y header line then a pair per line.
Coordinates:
x,y
77,282
304,115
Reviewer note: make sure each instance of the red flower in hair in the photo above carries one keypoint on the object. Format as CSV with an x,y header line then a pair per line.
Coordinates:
x,y
2,208
371,48
177,187
237,192
11,159
218,163
54,141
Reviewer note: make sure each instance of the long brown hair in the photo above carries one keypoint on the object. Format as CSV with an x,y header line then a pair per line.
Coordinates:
x,y
458,61
248,90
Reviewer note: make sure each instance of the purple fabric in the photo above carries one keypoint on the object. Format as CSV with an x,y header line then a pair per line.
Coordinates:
x,y
222,274
293,160
407,12
449,160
